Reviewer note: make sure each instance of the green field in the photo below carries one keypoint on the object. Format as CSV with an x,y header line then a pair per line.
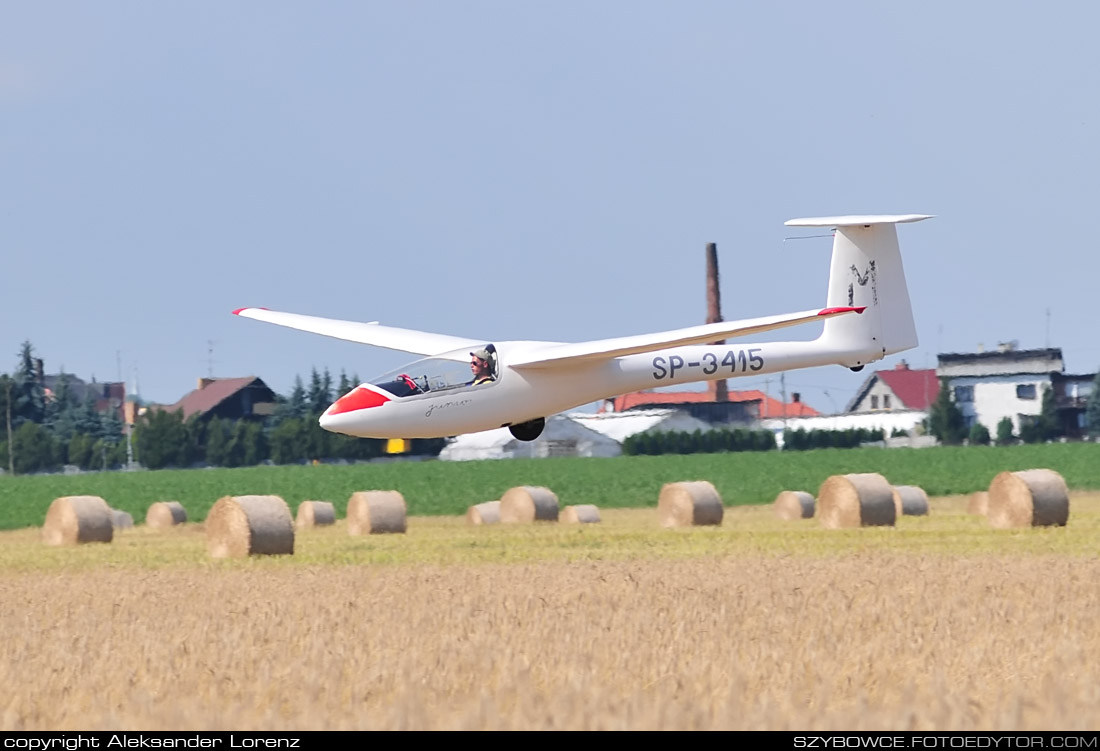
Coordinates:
x,y
448,488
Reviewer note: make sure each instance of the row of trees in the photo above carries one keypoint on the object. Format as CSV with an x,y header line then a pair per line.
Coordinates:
x,y
48,432
698,442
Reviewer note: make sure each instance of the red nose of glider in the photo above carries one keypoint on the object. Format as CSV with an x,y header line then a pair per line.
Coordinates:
x,y
356,399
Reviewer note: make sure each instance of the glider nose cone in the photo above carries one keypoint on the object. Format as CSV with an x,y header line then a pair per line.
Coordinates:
x,y
345,410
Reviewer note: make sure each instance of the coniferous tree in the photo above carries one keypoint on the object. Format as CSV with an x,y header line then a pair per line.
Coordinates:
x,y
1005,436
28,394
345,385
297,404
946,421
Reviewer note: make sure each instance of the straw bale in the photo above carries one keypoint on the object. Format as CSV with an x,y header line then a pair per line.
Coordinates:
x,y
1030,498
315,514
584,513
243,525
165,514
121,519
484,513
978,503
372,512
77,519
910,501
683,504
856,500
526,504
794,504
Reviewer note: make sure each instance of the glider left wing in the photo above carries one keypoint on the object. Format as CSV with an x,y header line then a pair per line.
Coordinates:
x,y
388,337
606,349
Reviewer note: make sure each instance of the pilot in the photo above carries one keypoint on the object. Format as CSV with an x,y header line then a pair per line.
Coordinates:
x,y
481,366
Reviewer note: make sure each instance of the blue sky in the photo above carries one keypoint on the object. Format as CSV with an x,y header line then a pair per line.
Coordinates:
x,y
519,170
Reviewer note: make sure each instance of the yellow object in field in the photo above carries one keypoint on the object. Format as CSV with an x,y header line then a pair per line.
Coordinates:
x,y
397,445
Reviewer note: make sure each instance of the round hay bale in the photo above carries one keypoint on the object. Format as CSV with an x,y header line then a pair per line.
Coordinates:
x,y
372,512
76,519
484,513
685,504
1030,498
978,503
794,504
243,525
526,504
584,513
909,500
121,519
857,500
165,514
315,514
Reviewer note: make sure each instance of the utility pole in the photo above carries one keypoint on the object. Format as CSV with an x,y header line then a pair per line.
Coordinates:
x,y
11,448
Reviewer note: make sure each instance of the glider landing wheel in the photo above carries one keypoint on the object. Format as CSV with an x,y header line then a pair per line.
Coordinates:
x,y
528,431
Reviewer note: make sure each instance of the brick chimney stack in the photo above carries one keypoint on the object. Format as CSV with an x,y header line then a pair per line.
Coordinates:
x,y
718,389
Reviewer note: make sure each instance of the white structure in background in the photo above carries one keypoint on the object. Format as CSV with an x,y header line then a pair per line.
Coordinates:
x,y
989,386
562,436
888,422
572,434
619,426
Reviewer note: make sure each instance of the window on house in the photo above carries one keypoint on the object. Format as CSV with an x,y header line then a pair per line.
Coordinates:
x,y
874,402
1025,391
964,393
886,401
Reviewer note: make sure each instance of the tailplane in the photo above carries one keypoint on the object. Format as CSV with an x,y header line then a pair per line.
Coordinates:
x,y
866,270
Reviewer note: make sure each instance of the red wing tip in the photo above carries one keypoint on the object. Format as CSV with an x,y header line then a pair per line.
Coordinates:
x,y
237,312
835,311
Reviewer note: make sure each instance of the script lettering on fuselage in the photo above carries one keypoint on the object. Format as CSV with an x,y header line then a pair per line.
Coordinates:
x,y
732,361
446,405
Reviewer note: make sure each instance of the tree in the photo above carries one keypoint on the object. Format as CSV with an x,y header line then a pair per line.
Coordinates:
x,y
162,439
35,450
979,435
1092,410
946,421
28,393
1045,425
1005,436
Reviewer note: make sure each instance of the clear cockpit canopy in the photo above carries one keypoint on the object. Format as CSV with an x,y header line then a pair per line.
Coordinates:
x,y
450,370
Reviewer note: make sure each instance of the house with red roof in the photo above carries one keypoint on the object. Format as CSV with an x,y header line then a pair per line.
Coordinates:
x,y
739,406
896,390
227,398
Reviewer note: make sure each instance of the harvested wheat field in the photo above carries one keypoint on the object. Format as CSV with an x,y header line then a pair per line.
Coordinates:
x,y
938,623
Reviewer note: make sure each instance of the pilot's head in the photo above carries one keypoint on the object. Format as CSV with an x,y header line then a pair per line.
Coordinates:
x,y
479,360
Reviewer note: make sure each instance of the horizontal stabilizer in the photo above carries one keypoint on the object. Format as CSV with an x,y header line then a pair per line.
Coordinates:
x,y
389,337
857,220
606,349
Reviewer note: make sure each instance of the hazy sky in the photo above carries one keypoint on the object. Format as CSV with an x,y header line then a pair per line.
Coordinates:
x,y
521,170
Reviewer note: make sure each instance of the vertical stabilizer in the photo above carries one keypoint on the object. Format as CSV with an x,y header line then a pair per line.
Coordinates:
x,y
866,269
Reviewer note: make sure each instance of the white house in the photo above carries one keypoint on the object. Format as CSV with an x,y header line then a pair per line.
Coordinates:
x,y
989,386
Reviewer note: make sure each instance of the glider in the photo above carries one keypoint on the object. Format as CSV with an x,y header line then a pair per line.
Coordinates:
x,y
463,385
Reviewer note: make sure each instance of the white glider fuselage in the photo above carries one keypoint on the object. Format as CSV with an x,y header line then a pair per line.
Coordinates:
x,y
519,395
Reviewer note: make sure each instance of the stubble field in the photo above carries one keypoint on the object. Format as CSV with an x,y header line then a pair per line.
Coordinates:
x,y
937,624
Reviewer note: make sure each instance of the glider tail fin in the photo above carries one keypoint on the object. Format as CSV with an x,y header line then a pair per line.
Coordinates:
x,y
866,269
